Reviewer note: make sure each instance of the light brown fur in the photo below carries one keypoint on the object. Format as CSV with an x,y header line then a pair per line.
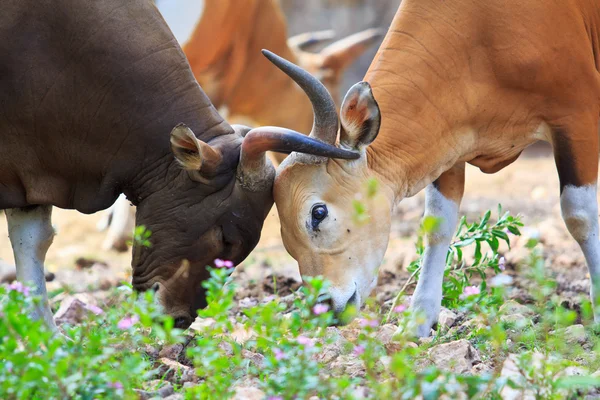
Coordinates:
x,y
455,82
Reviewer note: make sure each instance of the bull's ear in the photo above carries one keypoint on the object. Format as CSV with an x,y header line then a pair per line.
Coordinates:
x,y
193,154
360,117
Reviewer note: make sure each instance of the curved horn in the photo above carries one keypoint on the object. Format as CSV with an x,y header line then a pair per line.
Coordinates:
x,y
304,41
325,124
256,171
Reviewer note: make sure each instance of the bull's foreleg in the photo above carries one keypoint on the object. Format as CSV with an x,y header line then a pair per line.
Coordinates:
x,y
577,165
442,200
31,234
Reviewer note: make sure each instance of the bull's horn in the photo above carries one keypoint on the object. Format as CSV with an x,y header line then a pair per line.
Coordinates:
x,y
304,41
256,171
325,124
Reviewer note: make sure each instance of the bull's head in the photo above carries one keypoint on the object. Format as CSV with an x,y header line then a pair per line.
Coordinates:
x,y
212,201
315,196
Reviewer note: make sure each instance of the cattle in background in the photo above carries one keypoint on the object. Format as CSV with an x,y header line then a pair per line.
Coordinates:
x,y
224,54
88,96
461,82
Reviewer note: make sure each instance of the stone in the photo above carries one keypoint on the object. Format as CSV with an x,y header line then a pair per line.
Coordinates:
x,y
511,371
248,393
511,307
573,370
574,334
385,333
457,356
164,391
255,358
349,365
151,351
74,309
226,347
447,318
176,372
173,351
176,396
334,344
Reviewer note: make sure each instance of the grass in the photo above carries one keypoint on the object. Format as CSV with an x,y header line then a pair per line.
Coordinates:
x,y
292,352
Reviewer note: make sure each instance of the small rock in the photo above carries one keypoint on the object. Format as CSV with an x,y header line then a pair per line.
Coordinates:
x,y
242,334
164,391
447,318
348,365
175,372
333,346
226,347
248,302
254,358
72,310
151,351
175,396
511,371
511,307
458,356
472,325
574,371
572,334
481,368
248,393
385,333
518,322
173,351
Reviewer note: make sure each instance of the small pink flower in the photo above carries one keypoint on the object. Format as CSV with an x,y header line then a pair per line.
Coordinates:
x,y
128,322
275,398
400,309
320,309
223,263
279,354
502,263
115,385
471,291
358,350
94,309
305,341
373,323
19,287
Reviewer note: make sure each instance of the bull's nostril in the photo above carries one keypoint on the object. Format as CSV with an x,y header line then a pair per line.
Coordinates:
x,y
353,299
182,322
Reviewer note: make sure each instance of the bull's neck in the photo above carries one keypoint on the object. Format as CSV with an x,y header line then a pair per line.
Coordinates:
x,y
416,81
156,168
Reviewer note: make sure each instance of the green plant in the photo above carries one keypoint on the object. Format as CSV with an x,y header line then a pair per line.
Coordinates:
x,y
95,360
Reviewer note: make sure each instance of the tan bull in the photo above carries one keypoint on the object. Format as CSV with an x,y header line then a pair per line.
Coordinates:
x,y
453,82
224,54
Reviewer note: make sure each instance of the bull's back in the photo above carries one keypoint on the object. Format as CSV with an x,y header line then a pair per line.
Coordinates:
x,y
84,87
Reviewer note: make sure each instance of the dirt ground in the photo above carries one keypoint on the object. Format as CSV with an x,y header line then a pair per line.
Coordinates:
x,y
529,187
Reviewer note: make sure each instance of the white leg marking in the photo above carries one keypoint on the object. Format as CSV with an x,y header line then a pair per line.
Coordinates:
x,y
31,234
579,208
428,293
121,225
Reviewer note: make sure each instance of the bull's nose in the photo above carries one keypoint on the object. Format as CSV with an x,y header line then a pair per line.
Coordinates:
x,y
183,322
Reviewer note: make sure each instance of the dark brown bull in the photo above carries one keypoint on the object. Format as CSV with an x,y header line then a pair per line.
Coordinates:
x,y
88,94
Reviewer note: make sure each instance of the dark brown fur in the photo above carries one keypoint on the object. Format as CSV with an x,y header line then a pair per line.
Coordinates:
x,y
89,91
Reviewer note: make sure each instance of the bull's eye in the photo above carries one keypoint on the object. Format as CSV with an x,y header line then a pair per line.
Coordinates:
x,y
318,214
